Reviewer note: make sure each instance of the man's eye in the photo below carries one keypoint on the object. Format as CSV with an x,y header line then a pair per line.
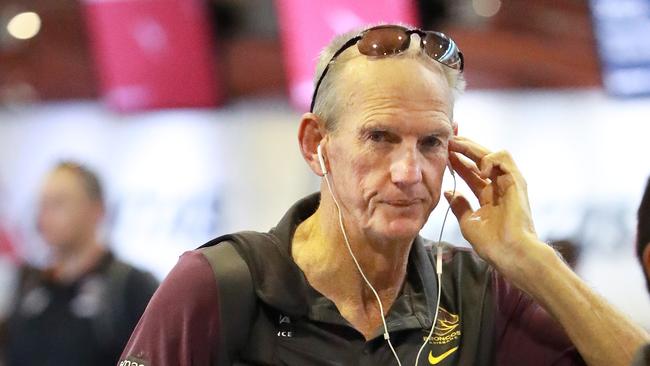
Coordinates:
x,y
377,136
430,142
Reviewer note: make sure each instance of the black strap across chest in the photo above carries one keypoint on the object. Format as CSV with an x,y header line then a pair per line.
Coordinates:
x,y
237,301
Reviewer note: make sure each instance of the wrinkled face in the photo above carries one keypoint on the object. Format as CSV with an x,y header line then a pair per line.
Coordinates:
x,y
388,153
66,215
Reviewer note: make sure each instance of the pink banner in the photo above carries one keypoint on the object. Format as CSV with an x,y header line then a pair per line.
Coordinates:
x,y
153,53
307,26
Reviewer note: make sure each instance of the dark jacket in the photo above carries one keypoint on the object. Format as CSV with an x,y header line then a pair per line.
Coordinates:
x,y
86,322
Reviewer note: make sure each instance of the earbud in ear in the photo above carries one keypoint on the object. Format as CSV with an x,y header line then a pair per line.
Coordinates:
x,y
321,160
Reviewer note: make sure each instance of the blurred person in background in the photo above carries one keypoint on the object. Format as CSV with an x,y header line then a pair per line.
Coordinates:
x,y
568,249
345,278
82,308
643,253
8,269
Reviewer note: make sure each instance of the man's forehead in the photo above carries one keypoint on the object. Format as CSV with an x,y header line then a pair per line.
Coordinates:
x,y
400,81
408,67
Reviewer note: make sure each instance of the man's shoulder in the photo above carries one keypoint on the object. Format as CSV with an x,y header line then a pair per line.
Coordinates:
x,y
191,265
207,264
190,279
183,309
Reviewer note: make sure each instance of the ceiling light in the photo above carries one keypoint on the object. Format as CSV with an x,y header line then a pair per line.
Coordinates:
x,y
486,8
24,25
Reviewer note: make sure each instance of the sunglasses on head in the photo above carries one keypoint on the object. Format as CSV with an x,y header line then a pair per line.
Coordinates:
x,y
389,40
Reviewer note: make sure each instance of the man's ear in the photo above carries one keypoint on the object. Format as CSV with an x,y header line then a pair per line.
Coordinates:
x,y
310,134
454,128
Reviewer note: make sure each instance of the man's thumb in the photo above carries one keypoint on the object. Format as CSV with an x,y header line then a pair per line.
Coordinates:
x,y
459,205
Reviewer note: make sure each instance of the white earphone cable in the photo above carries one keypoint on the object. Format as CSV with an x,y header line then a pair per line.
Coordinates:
x,y
438,272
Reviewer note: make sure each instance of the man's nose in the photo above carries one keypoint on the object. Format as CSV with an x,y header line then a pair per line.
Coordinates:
x,y
406,169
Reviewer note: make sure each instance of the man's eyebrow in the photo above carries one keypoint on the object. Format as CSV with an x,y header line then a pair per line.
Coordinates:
x,y
440,131
375,126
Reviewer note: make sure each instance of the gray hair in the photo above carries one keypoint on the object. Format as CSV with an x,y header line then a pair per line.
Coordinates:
x,y
327,100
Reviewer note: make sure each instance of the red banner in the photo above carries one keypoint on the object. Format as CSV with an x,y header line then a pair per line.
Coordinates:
x,y
153,53
307,26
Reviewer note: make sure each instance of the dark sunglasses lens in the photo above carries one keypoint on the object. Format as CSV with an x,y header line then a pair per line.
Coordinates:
x,y
442,49
383,41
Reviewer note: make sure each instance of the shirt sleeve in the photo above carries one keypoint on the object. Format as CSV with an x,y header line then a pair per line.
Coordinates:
x,y
180,325
526,334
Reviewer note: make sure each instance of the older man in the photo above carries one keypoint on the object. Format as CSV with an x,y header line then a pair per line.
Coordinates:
x,y
344,278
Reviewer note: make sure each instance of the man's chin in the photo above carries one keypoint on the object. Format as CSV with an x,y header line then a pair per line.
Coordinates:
x,y
401,229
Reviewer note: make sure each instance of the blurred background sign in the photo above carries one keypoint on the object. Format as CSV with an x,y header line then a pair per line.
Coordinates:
x,y
174,53
622,30
153,53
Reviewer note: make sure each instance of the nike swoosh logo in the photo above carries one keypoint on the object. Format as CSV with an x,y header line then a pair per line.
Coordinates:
x,y
434,360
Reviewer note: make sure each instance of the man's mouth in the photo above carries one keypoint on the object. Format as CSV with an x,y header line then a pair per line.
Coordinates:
x,y
402,203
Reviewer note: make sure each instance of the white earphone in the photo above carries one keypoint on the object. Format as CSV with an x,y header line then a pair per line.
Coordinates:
x,y
319,151
323,168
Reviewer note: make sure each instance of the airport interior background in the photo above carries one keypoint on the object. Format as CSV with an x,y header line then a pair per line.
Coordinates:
x,y
189,109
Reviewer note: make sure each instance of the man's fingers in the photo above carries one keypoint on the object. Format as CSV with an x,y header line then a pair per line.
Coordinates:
x,y
459,205
496,171
500,164
488,196
486,160
468,148
469,172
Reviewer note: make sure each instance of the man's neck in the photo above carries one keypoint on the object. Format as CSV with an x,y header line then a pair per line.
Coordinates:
x,y
320,250
70,265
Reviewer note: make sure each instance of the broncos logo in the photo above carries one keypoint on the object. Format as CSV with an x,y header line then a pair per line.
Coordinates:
x,y
447,323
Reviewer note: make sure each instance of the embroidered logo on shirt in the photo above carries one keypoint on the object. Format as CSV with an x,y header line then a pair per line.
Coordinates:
x,y
285,333
285,329
434,360
285,319
447,328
